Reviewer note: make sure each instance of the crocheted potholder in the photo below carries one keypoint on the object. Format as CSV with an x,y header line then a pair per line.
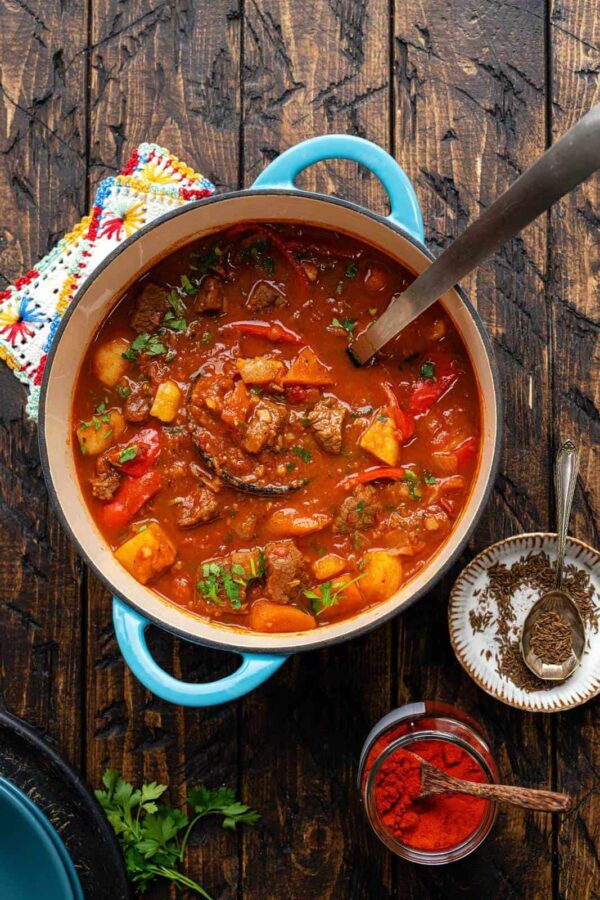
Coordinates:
x,y
152,182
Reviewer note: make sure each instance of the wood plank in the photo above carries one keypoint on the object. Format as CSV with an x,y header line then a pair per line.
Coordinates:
x,y
470,116
311,68
574,290
42,193
168,74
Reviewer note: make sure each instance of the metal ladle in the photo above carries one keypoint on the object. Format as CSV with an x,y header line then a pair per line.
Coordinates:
x,y
566,164
556,600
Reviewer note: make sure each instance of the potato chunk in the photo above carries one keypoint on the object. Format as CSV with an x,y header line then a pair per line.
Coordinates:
x,y
289,522
328,566
100,432
259,369
307,369
274,617
380,440
108,363
166,402
147,553
381,576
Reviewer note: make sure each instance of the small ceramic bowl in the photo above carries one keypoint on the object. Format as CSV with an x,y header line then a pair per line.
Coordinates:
x,y
477,646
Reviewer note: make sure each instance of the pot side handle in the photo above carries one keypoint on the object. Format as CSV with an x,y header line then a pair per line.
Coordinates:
x,y
404,206
130,629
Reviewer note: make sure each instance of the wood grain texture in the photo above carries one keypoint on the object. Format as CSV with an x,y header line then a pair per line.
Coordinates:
x,y
42,191
574,291
470,116
167,73
309,69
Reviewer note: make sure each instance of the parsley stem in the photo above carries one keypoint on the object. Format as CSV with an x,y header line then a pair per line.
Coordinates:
x,y
178,878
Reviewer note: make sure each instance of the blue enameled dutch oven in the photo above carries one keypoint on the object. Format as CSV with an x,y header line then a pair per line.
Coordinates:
x,y
273,198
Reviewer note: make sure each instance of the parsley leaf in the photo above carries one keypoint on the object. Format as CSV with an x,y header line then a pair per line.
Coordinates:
x,y
154,837
411,479
428,478
329,594
347,324
187,286
206,261
302,453
145,343
127,454
428,370
176,303
171,321
352,270
123,391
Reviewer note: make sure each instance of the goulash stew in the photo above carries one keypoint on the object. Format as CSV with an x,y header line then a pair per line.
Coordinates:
x,y
236,460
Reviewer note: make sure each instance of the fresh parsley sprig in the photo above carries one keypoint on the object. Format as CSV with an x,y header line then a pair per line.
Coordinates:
x,y
329,593
154,837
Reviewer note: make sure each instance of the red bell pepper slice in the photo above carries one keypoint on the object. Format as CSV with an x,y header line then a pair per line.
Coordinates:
x,y
270,331
147,444
428,391
129,499
405,424
394,473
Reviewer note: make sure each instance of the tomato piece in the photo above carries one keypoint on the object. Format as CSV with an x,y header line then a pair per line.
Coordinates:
x,y
147,446
404,422
129,499
394,473
270,331
428,390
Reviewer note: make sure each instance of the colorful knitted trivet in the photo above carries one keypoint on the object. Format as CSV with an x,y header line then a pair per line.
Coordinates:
x,y
151,183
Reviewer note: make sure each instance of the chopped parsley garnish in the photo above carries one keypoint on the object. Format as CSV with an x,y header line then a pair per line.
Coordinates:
x,y
217,579
171,321
382,419
127,454
352,270
290,467
347,324
329,594
176,303
100,418
304,454
123,391
206,261
339,287
206,337
411,479
145,343
269,264
141,528
361,411
428,370
428,478
187,286
256,253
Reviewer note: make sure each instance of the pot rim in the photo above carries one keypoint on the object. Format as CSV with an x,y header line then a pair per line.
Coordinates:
x,y
324,640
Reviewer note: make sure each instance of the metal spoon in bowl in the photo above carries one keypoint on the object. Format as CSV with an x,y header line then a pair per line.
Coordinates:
x,y
565,165
557,601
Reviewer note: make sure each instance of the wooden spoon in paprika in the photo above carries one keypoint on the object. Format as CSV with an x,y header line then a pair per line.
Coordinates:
x,y
434,781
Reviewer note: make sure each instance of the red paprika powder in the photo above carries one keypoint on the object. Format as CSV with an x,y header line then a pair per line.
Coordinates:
x,y
434,823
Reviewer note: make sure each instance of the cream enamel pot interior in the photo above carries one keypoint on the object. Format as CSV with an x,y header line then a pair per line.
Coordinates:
x,y
273,198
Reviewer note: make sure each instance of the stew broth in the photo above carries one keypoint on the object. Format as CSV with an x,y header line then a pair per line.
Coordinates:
x,y
236,460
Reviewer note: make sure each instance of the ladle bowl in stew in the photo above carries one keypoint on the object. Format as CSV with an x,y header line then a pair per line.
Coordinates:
x,y
216,458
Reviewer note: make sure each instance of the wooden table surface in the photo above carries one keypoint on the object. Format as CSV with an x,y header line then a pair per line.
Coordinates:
x,y
465,94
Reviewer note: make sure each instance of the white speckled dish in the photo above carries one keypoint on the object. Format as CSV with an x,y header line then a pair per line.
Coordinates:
x,y
471,648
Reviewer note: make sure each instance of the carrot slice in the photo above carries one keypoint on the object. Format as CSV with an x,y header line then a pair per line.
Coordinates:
x,y
308,369
275,617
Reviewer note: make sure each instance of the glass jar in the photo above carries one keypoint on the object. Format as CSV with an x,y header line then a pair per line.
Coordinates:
x,y
401,728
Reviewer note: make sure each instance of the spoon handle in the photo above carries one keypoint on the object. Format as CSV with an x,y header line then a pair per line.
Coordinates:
x,y
565,479
529,798
565,165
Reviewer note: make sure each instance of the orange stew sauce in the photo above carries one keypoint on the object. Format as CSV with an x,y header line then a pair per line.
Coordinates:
x,y
237,461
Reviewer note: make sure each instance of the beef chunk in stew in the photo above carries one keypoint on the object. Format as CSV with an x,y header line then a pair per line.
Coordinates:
x,y
105,485
139,402
211,296
266,422
358,511
285,571
327,419
150,308
197,508
264,296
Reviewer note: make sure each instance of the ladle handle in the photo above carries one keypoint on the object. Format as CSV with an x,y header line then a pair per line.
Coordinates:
x,y
565,479
565,165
